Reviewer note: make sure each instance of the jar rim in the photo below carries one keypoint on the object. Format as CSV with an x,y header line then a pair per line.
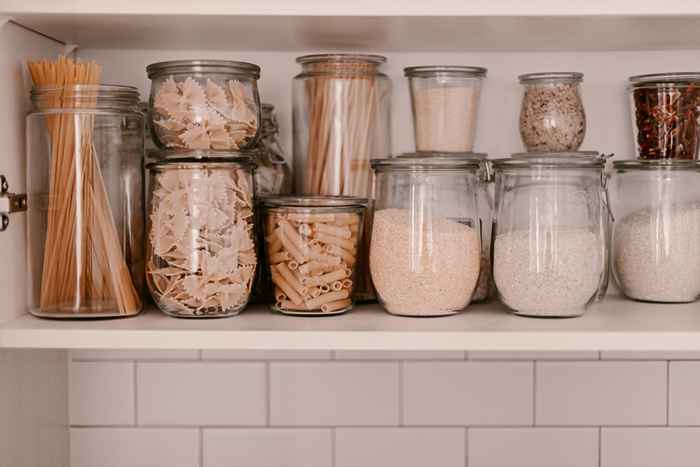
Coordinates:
x,y
426,71
553,160
85,97
203,66
551,76
428,162
683,77
655,164
341,58
209,159
313,201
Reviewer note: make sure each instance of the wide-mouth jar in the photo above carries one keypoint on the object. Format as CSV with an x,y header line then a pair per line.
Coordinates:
x,y
445,103
425,252
552,116
204,104
312,247
550,230
656,254
666,115
201,257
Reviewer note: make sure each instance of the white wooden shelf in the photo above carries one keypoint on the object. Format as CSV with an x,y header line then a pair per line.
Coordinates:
x,y
614,324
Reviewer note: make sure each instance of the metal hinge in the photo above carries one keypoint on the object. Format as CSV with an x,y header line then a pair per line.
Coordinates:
x,y
9,203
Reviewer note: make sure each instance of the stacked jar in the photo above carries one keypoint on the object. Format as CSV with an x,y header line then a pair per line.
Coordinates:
x,y
201,256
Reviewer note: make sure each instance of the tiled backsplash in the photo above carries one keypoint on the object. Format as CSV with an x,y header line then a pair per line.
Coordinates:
x,y
384,409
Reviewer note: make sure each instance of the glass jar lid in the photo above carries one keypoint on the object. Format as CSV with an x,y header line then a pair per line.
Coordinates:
x,y
657,164
86,96
430,161
554,76
313,201
445,70
553,160
174,67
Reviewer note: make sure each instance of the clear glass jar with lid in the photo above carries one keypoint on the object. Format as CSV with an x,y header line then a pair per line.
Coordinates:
x,y
550,233
426,245
445,104
85,202
204,104
312,247
552,117
656,253
201,257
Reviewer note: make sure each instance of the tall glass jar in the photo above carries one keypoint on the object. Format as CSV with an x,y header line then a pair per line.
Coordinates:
x,y
341,105
200,256
666,115
552,118
656,253
85,197
549,253
272,174
204,104
445,104
426,245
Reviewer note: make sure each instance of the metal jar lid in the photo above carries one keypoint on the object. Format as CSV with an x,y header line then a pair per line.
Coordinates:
x,y
313,201
230,67
554,76
656,79
429,71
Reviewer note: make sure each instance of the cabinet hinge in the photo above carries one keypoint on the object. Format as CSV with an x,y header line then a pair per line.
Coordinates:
x,y
9,203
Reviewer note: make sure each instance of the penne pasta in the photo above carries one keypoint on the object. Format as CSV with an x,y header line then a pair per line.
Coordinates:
x,y
335,250
336,305
327,278
288,245
291,279
280,282
327,298
337,285
340,232
331,240
287,305
279,257
307,217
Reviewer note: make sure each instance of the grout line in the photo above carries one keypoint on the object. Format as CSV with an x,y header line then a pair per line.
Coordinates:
x,y
319,427
333,447
668,393
201,447
466,446
600,446
400,398
268,391
534,393
136,392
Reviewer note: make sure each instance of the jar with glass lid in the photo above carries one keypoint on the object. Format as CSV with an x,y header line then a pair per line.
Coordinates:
x,y
656,253
204,104
426,245
550,232
201,257
552,117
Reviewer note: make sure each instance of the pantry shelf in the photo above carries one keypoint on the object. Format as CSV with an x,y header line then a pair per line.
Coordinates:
x,y
615,324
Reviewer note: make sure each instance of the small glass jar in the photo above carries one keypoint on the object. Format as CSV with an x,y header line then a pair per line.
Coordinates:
x,y
445,104
204,104
552,118
666,115
549,249
342,119
272,174
85,198
312,246
656,253
426,245
201,257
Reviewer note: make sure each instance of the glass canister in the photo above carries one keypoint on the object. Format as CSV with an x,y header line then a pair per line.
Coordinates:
x,y
666,115
656,253
552,118
342,119
204,104
200,256
445,104
85,198
272,174
312,245
549,247
426,246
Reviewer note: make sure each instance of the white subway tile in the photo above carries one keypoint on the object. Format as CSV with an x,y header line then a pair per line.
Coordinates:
x,y
544,355
601,393
684,391
334,393
400,447
533,447
398,355
650,447
267,447
101,393
202,393
652,355
106,354
134,447
468,393
266,354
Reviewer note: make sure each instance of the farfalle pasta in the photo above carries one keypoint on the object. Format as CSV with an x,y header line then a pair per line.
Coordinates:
x,y
201,257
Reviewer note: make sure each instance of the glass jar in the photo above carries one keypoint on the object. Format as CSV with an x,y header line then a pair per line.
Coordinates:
x,y
312,245
200,256
549,249
666,115
552,118
85,198
445,104
342,119
204,104
272,174
656,253
426,245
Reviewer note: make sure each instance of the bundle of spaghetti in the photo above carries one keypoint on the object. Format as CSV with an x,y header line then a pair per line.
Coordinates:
x,y
84,269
